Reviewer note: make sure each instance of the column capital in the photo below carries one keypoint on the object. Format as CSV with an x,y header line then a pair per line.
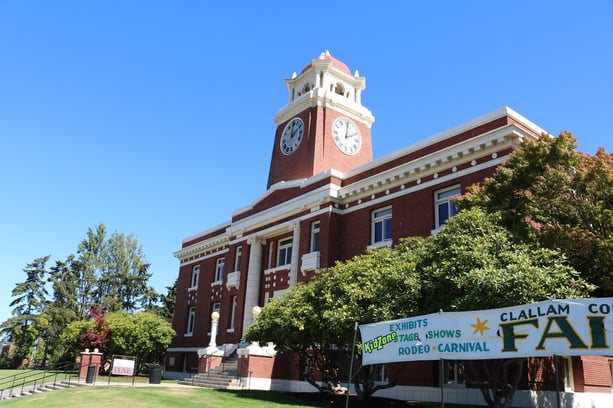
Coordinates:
x,y
255,239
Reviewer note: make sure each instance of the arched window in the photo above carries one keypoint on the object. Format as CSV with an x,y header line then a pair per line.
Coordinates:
x,y
339,89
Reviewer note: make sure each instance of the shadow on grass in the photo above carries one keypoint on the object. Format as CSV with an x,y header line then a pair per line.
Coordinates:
x,y
327,400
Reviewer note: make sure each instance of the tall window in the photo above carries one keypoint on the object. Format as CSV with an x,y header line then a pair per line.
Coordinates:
x,y
444,206
568,374
270,255
314,236
191,321
381,225
454,373
284,253
237,258
219,267
233,304
195,277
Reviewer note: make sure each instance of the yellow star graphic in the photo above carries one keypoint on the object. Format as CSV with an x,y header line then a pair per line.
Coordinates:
x,y
480,326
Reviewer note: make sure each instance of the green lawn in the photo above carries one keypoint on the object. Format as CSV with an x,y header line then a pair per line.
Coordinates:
x,y
102,396
158,397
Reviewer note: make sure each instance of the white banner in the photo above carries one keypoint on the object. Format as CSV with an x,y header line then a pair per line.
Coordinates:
x,y
123,367
558,327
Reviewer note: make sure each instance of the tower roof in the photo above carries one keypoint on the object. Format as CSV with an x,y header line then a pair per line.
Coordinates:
x,y
336,63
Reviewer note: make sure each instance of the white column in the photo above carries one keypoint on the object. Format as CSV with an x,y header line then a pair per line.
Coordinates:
x,y
254,273
293,271
214,327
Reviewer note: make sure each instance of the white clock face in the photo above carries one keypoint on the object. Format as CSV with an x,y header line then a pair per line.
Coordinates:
x,y
292,136
347,136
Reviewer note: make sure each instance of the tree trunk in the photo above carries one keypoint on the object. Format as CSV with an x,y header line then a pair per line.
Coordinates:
x,y
497,379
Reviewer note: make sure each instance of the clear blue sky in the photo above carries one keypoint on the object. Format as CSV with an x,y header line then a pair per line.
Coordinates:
x,y
155,117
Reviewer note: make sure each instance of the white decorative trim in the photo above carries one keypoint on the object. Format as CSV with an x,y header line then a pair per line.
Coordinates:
x,y
233,279
203,246
417,170
183,349
285,267
310,262
254,349
380,244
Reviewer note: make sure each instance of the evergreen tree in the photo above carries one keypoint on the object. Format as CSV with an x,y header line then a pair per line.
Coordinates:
x,y
30,300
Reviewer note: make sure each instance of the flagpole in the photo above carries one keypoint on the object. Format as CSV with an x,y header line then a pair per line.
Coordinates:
x,y
355,331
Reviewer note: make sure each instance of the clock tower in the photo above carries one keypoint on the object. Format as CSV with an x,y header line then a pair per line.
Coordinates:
x,y
324,125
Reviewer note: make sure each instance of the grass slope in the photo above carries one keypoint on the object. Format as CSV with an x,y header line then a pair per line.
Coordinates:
x,y
158,397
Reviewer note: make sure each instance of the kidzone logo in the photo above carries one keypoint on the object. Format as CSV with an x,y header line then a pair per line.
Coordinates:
x,y
379,342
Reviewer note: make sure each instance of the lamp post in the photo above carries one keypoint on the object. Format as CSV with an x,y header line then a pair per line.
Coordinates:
x,y
214,325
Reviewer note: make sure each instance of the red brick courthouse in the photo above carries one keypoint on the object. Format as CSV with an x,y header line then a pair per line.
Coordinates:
x,y
328,200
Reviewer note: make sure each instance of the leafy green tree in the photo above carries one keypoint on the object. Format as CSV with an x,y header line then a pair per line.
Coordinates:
x,y
88,263
122,284
30,299
474,264
143,334
550,195
317,319
113,273
166,303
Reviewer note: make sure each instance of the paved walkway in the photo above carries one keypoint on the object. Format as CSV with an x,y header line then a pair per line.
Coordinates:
x,y
103,381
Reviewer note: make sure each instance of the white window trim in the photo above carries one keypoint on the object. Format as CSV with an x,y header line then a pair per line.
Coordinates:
x,y
220,266
284,243
191,321
315,230
453,383
286,267
384,242
233,305
380,244
237,258
437,225
196,274
569,381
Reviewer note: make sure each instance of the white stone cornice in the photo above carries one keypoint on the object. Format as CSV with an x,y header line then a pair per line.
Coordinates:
x,y
428,184
431,169
206,232
304,200
499,139
323,97
534,132
286,209
215,243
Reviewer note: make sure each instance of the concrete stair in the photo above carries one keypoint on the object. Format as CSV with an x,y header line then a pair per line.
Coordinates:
x,y
30,389
224,377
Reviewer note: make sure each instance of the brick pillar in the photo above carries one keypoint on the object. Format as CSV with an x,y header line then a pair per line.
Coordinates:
x,y
89,358
208,362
